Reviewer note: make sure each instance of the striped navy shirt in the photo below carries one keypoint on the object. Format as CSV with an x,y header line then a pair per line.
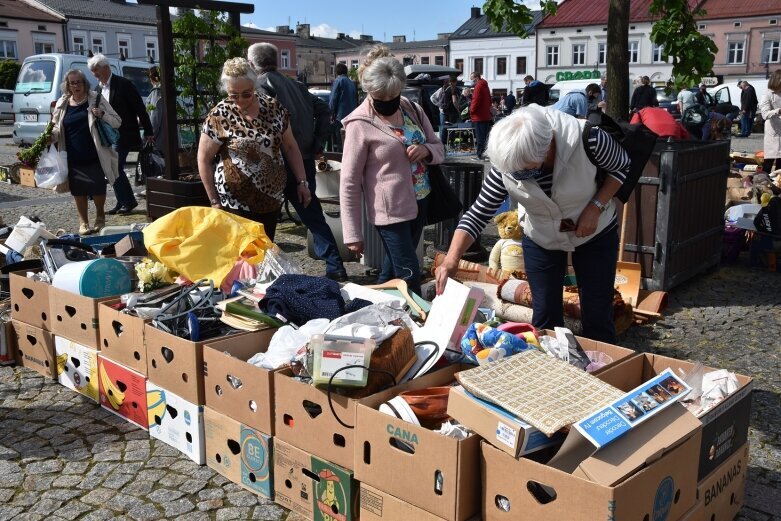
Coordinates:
x,y
608,153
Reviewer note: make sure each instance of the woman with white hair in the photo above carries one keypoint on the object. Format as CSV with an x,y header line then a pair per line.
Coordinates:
x,y
389,143
540,161
250,131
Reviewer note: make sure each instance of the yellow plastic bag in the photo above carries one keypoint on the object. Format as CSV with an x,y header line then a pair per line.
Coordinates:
x,y
199,242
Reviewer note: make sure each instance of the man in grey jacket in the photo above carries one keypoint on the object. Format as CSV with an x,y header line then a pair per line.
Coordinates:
x,y
310,119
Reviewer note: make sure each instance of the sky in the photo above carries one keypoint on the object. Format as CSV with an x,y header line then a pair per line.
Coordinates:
x,y
417,20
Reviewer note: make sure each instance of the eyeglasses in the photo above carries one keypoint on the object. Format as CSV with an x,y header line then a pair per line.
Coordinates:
x,y
74,83
243,95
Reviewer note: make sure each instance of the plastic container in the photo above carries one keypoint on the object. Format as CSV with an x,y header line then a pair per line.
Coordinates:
x,y
598,360
96,278
331,353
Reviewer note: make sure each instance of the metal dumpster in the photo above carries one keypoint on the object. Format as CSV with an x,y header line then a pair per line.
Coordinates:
x,y
676,215
466,179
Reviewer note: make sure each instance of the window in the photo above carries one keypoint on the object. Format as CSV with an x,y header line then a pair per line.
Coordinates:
x,y
460,64
770,51
520,65
98,42
478,66
634,51
79,43
44,47
773,21
602,53
737,24
123,43
424,60
8,49
439,60
735,52
151,48
552,55
656,53
353,64
41,27
284,60
501,65
579,54
702,27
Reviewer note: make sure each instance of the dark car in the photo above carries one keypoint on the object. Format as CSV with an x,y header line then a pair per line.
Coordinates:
x,y
423,81
670,102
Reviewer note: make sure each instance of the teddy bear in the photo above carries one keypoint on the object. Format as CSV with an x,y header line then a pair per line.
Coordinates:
x,y
507,253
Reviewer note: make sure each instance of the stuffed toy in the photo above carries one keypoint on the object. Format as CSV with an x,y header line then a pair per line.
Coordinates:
x,y
507,253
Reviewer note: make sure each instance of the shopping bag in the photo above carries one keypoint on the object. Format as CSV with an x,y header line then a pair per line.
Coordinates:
x,y
52,168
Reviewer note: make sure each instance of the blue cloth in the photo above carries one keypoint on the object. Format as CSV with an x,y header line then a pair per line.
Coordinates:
x,y
300,298
574,103
746,122
479,337
595,269
400,241
344,97
78,139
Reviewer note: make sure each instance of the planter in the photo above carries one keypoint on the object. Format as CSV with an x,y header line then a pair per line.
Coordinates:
x,y
163,196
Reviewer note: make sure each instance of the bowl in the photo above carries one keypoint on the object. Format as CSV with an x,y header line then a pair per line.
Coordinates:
x,y
429,404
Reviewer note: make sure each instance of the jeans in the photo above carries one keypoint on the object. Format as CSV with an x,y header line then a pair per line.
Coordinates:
x,y
442,130
401,242
312,217
122,188
481,135
746,122
595,268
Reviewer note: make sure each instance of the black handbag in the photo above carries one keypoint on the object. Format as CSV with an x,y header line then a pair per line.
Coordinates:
x,y
443,203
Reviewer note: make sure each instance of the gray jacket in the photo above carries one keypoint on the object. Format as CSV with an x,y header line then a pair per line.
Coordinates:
x,y
310,116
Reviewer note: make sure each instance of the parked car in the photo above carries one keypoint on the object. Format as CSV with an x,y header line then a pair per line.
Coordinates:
x,y
6,105
38,88
323,94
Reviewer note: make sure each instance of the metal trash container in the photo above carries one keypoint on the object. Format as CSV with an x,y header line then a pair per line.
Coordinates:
x,y
466,179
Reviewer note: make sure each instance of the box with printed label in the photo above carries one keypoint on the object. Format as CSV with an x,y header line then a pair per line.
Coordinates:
x,y
30,300
238,452
35,349
175,421
79,367
75,317
122,391
376,505
313,487
724,427
431,471
722,491
235,388
122,336
177,363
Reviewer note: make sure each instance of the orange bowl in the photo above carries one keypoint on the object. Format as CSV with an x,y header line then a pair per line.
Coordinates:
x,y
429,404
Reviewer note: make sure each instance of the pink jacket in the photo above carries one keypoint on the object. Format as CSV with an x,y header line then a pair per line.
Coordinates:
x,y
375,166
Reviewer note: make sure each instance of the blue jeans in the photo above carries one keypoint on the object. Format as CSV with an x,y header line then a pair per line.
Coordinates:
x,y
122,188
595,268
312,217
746,122
481,135
401,241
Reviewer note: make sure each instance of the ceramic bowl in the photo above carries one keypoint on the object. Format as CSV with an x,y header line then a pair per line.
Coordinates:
x,y
429,404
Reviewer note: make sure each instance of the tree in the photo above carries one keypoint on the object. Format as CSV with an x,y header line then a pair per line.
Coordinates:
x,y
675,30
9,70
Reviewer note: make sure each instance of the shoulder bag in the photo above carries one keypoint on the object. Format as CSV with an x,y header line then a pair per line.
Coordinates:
x,y
109,136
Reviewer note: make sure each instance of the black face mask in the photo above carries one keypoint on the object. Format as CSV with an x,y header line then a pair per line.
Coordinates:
x,y
387,108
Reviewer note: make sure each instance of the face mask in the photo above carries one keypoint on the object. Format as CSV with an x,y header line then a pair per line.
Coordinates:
x,y
387,108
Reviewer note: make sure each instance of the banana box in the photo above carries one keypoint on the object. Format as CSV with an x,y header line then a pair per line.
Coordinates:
x,y
122,391
122,336
35,349
79,367
30,300
175,421
238,452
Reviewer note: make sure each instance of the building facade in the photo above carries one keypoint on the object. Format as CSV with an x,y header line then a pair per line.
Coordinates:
x,y
26,30
284,42
424,52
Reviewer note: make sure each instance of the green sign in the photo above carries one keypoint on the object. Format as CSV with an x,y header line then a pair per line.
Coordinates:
x,y
578,75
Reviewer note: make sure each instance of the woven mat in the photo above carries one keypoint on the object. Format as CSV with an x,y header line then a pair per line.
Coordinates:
x,y
539,389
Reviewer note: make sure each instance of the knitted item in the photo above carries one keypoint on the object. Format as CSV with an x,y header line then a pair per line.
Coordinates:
x,y
300,298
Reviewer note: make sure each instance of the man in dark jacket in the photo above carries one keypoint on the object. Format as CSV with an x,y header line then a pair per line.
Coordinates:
x,y
509,103
310,119
643,96
748,108
535,92
126,101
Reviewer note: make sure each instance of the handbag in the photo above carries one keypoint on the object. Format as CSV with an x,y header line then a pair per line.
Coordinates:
x,y
109,136
443,203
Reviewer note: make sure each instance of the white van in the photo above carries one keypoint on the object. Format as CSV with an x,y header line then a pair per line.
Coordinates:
x,y
562,88
730,92
38,88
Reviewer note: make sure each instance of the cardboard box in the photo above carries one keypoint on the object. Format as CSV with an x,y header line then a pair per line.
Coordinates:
x,y
35,349
235,388
122,391
238,452
122,336
75,317
30,300
130,246
176,363
80,367
431,471
27,176
721,492
175,421
724,428
697,513
313,487
7,343
376,505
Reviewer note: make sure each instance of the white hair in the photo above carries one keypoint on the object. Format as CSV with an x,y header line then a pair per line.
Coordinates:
x,y
520,140
96,61
384,77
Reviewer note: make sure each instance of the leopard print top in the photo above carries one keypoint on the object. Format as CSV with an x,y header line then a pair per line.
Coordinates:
x,y
251,172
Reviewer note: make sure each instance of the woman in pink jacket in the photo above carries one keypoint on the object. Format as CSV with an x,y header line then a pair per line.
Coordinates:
x,y
389,143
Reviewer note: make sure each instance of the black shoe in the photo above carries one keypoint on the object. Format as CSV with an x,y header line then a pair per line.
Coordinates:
x,y
338,276
125,210
114,210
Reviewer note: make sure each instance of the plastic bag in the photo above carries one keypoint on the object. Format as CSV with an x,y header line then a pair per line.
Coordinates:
x,y
52,168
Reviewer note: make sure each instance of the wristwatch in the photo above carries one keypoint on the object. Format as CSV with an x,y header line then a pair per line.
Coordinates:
x,y
301,182
602,207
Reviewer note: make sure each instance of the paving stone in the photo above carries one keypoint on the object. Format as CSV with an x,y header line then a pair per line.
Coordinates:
x,y
108,456
8,512
100,514
210,504
73,510
242,499
268,511
178,507
226,514
6,494
61,494
172,479
75,467
43,467
144,512
98,496
139,488
130,468
123,503
38,482
151,475
160,462
29,516
67,480
137,455
194,516
116,480
46,506
191,486
211,493
163,495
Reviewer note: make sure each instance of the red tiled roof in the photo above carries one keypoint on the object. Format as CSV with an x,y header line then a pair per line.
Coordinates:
x,y
742,9
574,13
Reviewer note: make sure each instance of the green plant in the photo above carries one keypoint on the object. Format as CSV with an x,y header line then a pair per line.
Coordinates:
x,y
29,156
9,70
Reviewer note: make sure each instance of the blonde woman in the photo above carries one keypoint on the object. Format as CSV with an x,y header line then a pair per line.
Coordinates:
x,y
90,164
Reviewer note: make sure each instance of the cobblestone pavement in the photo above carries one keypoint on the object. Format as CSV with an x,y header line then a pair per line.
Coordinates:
x,y
63,458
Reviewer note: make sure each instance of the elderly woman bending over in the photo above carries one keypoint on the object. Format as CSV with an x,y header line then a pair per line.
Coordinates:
x,y
250,131
539,159
389,143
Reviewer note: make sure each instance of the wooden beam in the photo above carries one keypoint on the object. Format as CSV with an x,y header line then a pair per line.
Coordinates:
x,y
211,5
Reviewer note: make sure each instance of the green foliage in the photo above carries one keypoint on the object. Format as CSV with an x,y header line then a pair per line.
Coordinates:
x,y
9,70
30,156
514,17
